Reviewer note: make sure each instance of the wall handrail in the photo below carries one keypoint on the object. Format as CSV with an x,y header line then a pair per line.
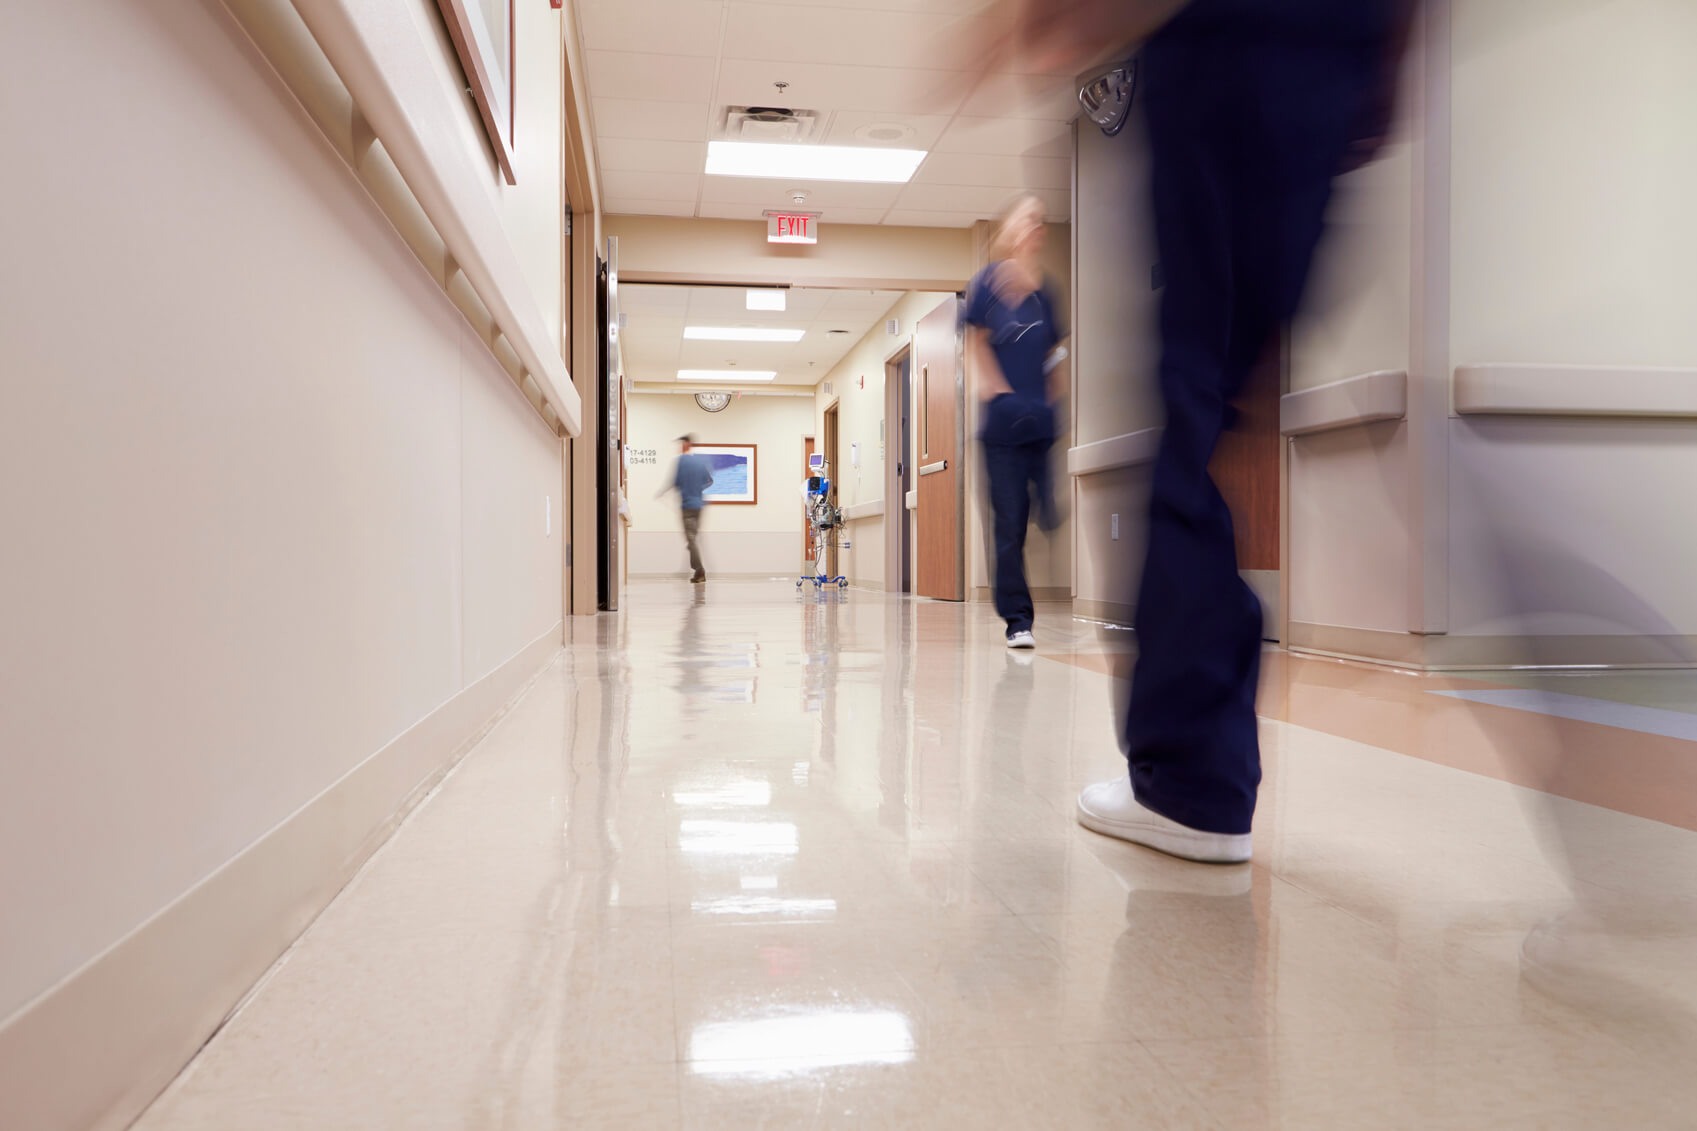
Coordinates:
x,y
1575,390
1364,399
872,509
381,56
1116,452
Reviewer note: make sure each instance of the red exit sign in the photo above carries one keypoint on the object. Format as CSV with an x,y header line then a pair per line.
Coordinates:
x,y
792,227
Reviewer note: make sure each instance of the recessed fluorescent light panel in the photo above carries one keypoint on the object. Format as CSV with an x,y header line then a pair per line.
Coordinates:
x,y
762,299
741,334
813,162
726,375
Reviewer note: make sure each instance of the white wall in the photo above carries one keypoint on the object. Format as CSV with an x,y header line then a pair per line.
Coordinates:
x,y
764,539
1573,243
268,500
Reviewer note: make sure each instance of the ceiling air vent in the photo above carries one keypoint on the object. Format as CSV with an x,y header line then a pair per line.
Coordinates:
x,y
769,123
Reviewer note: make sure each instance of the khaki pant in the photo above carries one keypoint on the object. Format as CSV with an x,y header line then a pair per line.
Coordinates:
x,y
692,534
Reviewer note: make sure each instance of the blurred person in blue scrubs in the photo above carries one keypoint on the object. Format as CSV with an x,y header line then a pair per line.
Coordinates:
x,y
1014,331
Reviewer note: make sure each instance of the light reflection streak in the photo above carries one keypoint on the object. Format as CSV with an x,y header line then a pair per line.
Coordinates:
x,y
782,1045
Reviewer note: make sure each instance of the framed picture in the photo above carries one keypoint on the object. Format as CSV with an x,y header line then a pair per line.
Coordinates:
x,y
483,36
734,471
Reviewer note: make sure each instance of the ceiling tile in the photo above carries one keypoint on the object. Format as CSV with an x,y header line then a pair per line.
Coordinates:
x,y
817,86
649,77
952,7
1051,97
659,121
622,183
648,297
643,156
923,129
1002,172
773,193
1032,137
841,35
655,27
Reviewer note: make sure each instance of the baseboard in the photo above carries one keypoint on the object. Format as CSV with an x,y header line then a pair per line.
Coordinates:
x,y
789,574
1476,653
1039,593
1369,645
874,586
93,1051
1110,612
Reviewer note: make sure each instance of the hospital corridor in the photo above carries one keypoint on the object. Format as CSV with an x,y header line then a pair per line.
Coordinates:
x,y
846,564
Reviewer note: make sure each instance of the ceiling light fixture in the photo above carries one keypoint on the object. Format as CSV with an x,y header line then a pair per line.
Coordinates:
x,y
763,299
813,162
727,375
741,334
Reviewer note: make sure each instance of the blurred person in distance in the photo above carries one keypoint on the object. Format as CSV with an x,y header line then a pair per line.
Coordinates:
x,y
691,478
1014,332
1253,108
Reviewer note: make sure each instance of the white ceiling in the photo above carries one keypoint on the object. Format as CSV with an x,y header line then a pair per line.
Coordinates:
x,y
661,73
653,347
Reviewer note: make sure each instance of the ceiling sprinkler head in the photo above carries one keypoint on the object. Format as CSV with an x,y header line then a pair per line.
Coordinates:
x,y
782,86
798,196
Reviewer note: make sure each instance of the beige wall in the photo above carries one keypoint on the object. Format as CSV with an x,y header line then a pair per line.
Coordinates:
x,y
664,250
858,389
763,539
269,500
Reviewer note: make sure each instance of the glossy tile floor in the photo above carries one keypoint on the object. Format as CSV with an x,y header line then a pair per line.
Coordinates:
x,y
742,858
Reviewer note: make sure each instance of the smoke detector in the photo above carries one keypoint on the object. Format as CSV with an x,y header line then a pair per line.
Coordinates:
x,y
884,133
769,123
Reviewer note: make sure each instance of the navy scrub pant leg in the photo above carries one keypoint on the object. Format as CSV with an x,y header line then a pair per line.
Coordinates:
x,y
1017,473
1245,135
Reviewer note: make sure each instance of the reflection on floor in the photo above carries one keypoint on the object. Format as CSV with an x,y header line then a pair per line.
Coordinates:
x,y
742,858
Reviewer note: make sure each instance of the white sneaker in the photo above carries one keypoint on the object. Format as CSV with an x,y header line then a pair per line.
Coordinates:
x,y
1110,808
1022,639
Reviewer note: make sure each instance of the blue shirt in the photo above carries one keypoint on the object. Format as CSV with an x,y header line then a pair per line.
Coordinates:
x,y
692,480
1021,337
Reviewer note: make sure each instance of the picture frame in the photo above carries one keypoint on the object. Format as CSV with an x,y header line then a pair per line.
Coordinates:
x,y
483,36
736,473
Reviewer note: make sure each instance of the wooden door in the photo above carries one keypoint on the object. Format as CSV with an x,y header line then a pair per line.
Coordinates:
x,y
940,517
806,471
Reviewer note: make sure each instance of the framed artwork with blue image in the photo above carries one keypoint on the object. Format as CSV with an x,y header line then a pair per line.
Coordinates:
x,y
734,473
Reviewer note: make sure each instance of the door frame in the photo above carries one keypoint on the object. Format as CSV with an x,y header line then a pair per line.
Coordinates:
x,y
809,445
896,512
830,427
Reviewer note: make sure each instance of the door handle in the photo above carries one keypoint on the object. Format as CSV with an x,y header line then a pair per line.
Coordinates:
x,y
934,468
